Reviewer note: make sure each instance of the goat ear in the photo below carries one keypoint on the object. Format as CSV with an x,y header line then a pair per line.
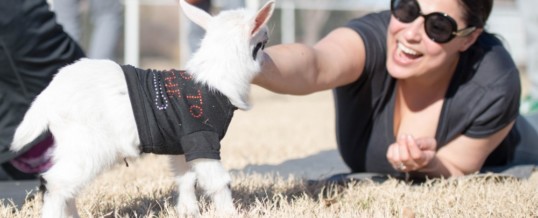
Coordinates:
x,y
263,16
196,15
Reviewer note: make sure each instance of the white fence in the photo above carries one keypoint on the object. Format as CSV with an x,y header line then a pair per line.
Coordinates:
x,y
132,18
504,21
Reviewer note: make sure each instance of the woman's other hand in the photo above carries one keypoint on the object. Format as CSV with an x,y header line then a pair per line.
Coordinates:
x,y
409,154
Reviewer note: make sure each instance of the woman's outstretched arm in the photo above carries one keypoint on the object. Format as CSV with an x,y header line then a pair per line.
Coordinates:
x,y
299,69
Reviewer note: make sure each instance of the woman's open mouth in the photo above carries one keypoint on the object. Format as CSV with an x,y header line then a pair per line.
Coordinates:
x,y
405,54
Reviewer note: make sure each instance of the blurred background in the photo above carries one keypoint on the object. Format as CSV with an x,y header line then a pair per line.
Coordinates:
x,y
154,32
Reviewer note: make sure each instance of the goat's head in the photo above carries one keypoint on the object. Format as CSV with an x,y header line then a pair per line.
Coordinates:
x,y
231,51
254,27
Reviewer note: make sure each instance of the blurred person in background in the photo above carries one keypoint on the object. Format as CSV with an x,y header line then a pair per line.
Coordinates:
x,y
530,22
106,19
422,90
32,49
196,33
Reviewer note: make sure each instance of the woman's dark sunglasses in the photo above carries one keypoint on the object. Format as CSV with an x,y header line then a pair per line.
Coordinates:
x,y
440,27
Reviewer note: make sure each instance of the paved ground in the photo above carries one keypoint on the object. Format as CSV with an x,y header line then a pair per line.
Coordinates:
x,y
16,191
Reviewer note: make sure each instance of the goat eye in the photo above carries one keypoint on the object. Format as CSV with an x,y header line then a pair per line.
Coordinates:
x,y
256,49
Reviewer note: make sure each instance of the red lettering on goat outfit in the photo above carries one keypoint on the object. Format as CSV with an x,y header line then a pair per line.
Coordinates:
x,y
185,76
196,109
176,85
172,88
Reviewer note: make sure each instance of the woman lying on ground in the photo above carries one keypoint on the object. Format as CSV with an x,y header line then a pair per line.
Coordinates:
x,y
420,89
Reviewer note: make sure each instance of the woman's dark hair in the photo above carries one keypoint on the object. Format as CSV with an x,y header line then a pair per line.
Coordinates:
x,y
477,12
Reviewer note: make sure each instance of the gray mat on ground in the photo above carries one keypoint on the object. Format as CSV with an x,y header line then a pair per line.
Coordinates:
x,y
515,172
16,191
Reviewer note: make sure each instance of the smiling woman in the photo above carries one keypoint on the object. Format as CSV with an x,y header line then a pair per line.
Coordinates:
x,y
421,89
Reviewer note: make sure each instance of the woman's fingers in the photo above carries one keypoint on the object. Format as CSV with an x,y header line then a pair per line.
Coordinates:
x,y
409,154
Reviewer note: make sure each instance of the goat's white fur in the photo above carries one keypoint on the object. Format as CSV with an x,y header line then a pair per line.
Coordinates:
x,y
87,109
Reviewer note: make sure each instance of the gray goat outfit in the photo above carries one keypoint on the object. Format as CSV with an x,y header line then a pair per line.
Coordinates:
x,y
176,115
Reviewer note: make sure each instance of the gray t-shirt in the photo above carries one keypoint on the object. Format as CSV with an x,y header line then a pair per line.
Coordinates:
x,y
482,98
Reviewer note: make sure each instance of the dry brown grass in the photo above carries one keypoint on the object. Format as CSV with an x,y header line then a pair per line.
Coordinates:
x,y
295,135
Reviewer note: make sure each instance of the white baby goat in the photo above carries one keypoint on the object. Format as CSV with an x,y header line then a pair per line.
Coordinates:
x,y
87,108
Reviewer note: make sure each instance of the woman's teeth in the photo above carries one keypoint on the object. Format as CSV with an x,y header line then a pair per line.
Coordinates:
x,y
407,50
